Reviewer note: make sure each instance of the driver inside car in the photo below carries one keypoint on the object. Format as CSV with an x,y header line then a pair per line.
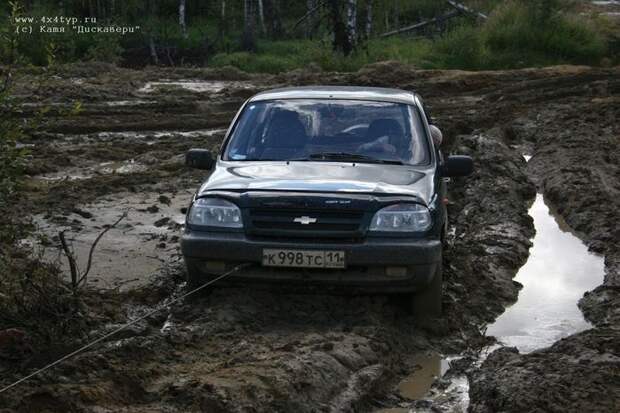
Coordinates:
x,y
384,136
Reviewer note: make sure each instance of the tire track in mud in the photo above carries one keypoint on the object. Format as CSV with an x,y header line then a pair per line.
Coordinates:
x,y
249,350
241,350
577,167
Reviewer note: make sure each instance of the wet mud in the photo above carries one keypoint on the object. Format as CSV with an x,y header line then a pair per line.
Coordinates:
x,y
259,349
575,164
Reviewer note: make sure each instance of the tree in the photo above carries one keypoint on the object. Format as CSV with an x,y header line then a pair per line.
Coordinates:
x,y
342,41
368,18
261,15
272,13
182,18
311,6
352,22
223,26
396,14
248,39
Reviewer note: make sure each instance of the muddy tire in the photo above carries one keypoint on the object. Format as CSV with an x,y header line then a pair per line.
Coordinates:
x,y
192,277
427,302
195,279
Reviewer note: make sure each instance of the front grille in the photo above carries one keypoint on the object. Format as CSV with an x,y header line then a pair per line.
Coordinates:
x,y
311,241
319,223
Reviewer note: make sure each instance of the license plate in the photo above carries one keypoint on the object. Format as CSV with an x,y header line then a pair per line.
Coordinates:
x,y
303,258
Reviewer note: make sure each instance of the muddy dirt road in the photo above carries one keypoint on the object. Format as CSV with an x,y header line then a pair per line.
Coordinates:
x,y
264,350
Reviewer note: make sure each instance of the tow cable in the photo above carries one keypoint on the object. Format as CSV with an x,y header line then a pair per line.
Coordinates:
x,y
124,326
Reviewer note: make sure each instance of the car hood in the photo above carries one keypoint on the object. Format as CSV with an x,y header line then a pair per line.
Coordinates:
x,y
322,177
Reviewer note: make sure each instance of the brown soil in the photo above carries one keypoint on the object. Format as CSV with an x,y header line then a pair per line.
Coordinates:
x,y
269,350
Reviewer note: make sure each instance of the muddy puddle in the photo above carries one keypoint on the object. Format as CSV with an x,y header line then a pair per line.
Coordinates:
x,y
133,250
104,168
428,368
557,274
144,150
148,136
148,237
134,102
559,270
422,386
197,86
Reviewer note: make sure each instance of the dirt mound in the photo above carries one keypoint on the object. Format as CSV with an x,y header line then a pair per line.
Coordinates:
x,y
575,163
386,73
490,237
574,375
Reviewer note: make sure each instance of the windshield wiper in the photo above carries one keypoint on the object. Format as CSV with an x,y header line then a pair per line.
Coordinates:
x,y
345,156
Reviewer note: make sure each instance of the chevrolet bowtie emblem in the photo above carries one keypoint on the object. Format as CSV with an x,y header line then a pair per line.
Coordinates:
x,y
305,220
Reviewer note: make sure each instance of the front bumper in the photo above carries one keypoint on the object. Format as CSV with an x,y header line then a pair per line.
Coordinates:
x,y
370,263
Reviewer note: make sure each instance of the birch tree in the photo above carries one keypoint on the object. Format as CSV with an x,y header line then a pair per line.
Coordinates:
x,y
310,20
368,18
261,15
352,22
341,38
223,25
153,50
182,23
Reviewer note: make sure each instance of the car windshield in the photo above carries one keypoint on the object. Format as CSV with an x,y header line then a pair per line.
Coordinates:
x,y
329,130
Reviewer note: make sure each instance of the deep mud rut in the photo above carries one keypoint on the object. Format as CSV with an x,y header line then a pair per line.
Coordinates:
x,y
265,350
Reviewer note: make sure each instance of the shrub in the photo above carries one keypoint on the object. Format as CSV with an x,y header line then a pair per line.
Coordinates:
x,y
405,50
34,298
105,49
541,33
11,157
239,60
461,48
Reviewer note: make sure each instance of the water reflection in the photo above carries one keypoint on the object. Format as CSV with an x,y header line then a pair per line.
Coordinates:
x,y
556,275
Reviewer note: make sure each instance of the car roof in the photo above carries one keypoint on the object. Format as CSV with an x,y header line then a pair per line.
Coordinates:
x,y
337,92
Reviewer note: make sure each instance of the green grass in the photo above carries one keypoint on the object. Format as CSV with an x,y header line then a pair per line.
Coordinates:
x,y
286,55
556,37
518,33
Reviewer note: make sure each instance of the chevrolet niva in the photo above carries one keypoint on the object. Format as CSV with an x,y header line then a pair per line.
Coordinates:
x,y
335,185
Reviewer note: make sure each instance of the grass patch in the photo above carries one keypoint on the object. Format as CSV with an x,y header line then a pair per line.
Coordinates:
x,y
462,48
286,55
537,36
518,33
254,62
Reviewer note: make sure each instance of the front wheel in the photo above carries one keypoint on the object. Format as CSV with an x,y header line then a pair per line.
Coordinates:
x,y
195,279
427,302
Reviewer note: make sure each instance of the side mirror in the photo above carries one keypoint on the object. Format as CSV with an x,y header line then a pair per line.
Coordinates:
x,y
457,165
199,159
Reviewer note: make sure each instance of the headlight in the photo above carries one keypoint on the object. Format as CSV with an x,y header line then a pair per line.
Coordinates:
x,y
401,218
215,212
